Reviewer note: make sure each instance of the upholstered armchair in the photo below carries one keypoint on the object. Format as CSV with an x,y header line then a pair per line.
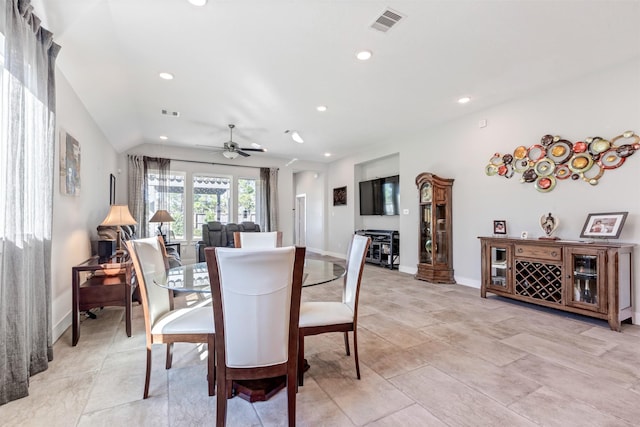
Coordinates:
x,y
249,226
213,234
128,232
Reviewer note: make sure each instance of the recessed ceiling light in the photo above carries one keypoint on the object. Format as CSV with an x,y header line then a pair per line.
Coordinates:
x,y
321,108
164,137
166,76
464,100
296,137
198,2
364,55
327,154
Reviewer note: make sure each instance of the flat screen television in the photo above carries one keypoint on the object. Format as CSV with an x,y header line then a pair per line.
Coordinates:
x,y
380,196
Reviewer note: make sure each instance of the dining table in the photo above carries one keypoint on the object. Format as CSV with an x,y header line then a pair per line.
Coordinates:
x,y
195,278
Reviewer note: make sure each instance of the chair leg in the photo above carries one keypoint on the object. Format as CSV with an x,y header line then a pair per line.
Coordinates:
x,y
221,399
169,355
346,343
211,364
355,351
300,358
291,396
148,373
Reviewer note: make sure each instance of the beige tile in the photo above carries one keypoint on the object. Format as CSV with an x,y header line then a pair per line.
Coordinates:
x,y
453,402
413,416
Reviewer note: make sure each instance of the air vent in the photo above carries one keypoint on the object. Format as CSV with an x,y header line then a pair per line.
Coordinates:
x,y
387,20
170,113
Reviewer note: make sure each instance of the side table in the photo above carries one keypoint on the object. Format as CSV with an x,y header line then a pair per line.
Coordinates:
x,y
100,283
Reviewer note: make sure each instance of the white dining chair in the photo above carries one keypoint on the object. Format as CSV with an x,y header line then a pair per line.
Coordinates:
x,y
256,314
269,239
319,317
164,324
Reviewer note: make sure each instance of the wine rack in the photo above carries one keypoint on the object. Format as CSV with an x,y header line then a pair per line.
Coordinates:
x,y
540,281
592,279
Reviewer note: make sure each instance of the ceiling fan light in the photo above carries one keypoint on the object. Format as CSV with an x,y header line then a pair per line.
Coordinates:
x,y
230,154
296,137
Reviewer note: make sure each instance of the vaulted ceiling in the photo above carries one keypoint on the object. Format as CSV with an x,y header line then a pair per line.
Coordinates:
x,y
266,65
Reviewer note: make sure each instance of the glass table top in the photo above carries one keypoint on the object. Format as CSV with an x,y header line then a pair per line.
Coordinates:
x,y
195,277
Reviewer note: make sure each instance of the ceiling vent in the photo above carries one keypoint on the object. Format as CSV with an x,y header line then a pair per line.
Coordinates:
x,y
170,113
387,20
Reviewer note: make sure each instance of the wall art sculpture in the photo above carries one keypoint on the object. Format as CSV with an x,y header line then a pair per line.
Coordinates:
x,y
556,159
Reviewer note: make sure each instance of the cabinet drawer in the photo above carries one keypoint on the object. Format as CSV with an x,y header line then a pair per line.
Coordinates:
x,y
539,252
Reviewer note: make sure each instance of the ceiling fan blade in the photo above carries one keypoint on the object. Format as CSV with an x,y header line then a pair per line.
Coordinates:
x,y
242,153
209,147
259,150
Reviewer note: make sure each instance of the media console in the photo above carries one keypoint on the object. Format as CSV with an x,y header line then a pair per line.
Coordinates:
x,y
385,247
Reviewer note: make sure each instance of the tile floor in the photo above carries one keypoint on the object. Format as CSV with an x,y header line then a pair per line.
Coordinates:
x,y
431,355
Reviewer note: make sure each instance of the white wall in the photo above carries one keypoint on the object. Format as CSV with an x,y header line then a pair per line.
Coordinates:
x,y
605,104
75,218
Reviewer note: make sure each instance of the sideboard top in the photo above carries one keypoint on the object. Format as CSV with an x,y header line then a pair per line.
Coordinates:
x,y
559,242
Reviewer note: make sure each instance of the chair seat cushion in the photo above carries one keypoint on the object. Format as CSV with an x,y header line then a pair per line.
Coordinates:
x,y
324,313
197,320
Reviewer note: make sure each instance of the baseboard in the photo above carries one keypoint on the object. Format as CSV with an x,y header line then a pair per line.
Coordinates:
x,y
61,327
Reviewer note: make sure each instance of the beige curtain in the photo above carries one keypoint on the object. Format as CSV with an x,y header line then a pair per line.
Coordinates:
x,y
138,185
27,146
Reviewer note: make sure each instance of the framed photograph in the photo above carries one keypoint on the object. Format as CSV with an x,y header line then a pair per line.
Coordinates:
x,y
340,196
112,189
499,226
604,225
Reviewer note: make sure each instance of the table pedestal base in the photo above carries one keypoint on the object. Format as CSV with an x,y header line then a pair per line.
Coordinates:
x,y
259,390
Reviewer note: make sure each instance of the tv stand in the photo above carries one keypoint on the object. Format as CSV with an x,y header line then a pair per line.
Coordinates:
x,y
384,249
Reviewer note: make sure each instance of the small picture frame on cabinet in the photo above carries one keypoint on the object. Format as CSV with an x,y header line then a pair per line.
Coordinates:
x,y
500,227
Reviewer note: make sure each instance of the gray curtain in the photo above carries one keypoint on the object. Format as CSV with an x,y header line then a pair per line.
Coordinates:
x,y
138,185
269,199
27,129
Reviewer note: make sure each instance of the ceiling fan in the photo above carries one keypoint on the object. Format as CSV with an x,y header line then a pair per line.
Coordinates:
x,y
231,149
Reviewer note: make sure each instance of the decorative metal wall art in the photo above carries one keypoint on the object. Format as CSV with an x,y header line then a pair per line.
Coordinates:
x,y
558,159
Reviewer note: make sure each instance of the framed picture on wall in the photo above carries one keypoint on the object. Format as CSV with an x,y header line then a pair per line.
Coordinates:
x,y
112,189
340,196
69,165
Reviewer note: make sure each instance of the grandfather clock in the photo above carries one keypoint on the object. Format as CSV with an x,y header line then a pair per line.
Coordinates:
x,y
435,251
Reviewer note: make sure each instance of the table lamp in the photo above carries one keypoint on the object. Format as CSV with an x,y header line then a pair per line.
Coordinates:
x,y
119,215
161,216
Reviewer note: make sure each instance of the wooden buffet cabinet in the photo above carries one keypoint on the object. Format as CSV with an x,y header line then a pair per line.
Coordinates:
x,y
592,279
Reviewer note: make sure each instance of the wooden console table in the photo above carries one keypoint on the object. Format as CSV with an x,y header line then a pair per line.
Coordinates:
x,y
98,283
593,279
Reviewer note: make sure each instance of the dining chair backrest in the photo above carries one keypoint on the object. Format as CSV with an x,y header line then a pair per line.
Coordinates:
x,y
150,266
354,268
252,298
270,239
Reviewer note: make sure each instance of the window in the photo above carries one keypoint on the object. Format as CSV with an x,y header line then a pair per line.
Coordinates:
x,y
176,205
246,199
211,201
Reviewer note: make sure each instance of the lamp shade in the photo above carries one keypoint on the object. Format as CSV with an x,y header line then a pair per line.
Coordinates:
x,y
119,215
161,216
230,154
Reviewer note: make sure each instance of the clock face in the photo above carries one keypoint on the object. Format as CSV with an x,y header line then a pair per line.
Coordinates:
x,y
425,194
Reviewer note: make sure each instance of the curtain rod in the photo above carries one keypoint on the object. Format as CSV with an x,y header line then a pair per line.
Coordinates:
x,y
219,164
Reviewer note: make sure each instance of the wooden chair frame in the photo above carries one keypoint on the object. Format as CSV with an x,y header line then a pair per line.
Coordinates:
x,y
226,375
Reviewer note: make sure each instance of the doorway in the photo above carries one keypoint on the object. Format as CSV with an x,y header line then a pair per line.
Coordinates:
x,y
300,220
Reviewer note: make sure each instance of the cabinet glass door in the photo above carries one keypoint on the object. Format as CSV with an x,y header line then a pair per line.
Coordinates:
x,y
440,234
426,242
498,268
585,279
